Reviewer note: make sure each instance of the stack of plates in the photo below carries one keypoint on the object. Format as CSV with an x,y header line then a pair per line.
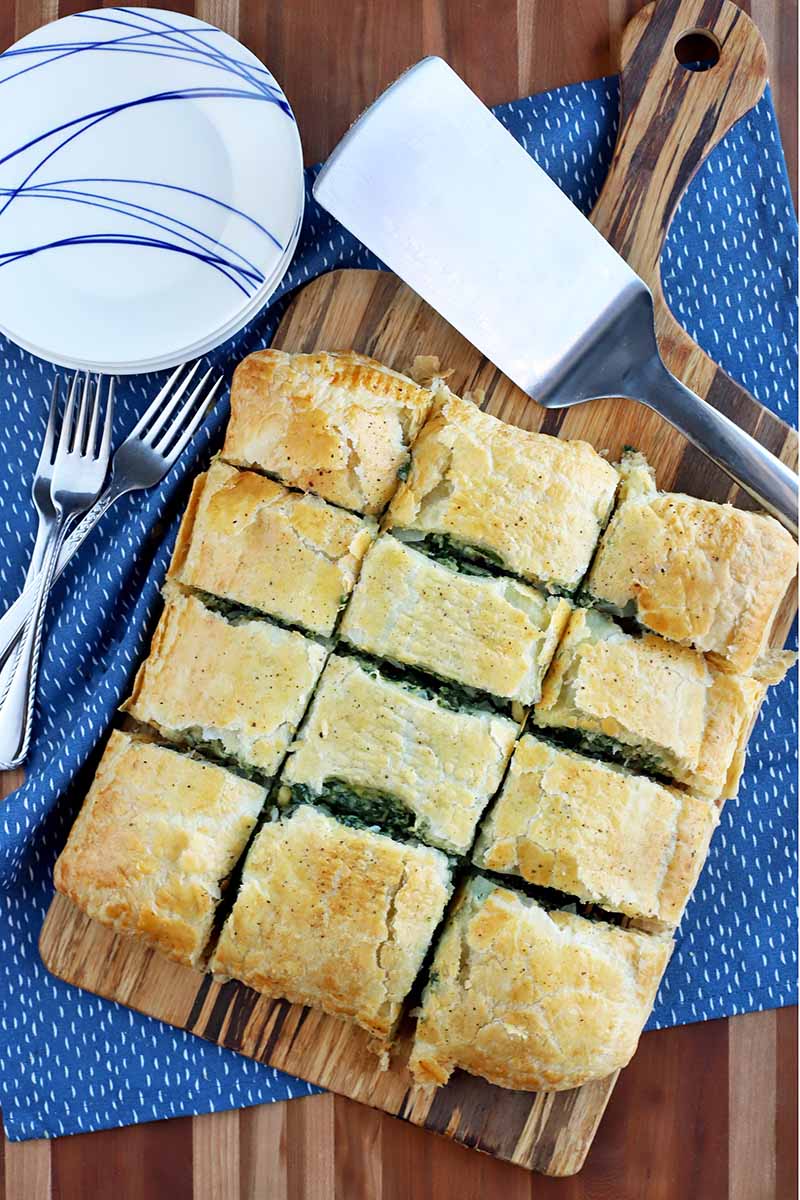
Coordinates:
x,y
151,189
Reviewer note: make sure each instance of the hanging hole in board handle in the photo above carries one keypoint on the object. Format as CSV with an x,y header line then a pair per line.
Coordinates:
x,y
697,50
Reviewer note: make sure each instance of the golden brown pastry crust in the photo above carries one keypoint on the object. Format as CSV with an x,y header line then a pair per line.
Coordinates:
x,y
703,574
243,684
335,917
370,732
154,842
533,1000
537,502
250,540
596,831
650,694
732,706
339,425
494,634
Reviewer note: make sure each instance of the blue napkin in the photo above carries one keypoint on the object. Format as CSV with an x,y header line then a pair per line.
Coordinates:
x,y
70,1062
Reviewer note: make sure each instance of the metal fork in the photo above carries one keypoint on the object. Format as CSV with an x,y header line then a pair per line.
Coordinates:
x,y
143,459
41,497
76,474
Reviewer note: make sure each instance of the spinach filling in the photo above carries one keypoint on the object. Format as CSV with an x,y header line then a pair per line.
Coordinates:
x,y
559,589
627,616
470,559
192,739
605,747
549,899
363,807
457,555
191,743
236,613
458,697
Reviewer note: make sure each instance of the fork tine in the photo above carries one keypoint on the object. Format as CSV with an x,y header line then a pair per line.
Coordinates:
x,y
173,429
170,406
105,442
200,415
46,456
65,436
83,412
91,440
153,409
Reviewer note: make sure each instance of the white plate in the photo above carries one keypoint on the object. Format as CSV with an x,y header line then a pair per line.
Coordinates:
x,y
151,188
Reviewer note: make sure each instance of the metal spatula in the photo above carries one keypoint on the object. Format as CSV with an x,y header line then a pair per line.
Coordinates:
x,y
431,182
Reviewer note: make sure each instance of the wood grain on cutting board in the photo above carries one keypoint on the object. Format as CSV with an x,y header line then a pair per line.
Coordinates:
x,y
376,314
696,1138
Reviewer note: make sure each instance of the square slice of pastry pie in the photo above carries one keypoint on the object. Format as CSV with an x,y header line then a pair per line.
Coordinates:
x,y
252,542
392,755
530,999
596,831
236,686
483,489
704,574
334,916
154,843
496,635
339,425
655,705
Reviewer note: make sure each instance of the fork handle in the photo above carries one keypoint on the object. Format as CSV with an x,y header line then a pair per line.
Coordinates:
x,y
16,703
35,565
9,631
73,542
14,618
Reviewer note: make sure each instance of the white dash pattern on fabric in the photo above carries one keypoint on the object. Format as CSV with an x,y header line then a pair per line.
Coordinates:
x,y
70,1062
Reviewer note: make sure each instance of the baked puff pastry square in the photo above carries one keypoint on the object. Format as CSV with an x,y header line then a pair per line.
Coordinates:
x,y
495,635
339,425
533,1000
391,754
703,574
336,917
154,843
248,540
652,703
532,503
237,687
597,832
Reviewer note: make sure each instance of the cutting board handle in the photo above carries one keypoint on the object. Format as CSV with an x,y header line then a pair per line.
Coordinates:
x,y
671,118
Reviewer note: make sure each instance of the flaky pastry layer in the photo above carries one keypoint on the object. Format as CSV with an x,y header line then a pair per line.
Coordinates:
x,y
596,831
157,836
373,733
339,425
703,574
251,541
494,634
533,1000
536,503
333,916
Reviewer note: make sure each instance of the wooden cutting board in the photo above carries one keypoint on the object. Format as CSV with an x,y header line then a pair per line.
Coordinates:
x,y
375,313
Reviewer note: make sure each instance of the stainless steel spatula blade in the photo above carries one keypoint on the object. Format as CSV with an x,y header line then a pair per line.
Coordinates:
x,y
435,185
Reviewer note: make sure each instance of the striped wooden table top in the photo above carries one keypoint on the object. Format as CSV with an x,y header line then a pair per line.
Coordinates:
x,y
704,1112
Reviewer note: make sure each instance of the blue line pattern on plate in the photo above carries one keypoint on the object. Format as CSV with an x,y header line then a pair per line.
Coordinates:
x,y
153,36
167,39
43,191
69,1061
